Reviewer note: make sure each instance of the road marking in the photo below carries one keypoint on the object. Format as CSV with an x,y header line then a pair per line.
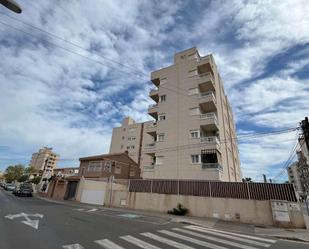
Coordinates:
x,y
32,223
73,246
79,209
166,241
92,210
203,236
252,242
138,242
192,240
239,235
108,244
130,216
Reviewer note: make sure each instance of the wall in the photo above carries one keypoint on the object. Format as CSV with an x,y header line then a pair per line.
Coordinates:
x,y
57,189
240,210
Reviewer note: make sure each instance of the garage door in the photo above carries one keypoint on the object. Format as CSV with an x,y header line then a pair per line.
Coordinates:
x,y
93,197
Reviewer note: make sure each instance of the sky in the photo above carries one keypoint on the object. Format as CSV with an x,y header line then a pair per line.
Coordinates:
x,y
70,71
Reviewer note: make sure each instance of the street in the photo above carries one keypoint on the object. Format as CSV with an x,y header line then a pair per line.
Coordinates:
x,y
32,223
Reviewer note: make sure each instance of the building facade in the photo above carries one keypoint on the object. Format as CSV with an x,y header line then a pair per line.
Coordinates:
x,y
128,137
193,132
45,161
119,165
294,177
65,172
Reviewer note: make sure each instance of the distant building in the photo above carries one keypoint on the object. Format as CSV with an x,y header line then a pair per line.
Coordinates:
x,y
45,161
294,177
119,165
65,172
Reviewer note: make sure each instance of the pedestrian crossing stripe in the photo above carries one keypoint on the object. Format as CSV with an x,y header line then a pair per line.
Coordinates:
x,y
138,242
236,234
73,246
198,236
234,237
107,244
192,240
166,241
222,241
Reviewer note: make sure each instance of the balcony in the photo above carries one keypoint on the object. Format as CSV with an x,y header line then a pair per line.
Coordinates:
x,y
206,82
212,166
211,140
205,65
154,94
209,121
149,167
151,128
153,111
207,101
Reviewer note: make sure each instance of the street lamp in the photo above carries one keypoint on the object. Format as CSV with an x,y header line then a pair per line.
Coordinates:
x,y
12,5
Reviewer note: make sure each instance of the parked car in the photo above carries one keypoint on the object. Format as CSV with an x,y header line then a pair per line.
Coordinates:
x,y
9,186
2,184
24,189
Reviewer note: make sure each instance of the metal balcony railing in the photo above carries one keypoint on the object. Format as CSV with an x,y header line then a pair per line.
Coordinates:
x,y
153,105
211,166
150,146
210,140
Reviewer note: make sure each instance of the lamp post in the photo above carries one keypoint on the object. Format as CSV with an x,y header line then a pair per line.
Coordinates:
x,y
12,5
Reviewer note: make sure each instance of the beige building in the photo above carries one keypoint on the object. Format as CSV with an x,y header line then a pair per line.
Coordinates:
x,y
294,177
45,160
192,135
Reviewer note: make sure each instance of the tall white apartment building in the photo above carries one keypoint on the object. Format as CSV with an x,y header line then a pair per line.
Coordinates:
x,y
45,160
192,135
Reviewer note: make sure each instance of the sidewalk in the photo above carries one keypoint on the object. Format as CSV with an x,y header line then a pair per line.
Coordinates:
x,y
280,233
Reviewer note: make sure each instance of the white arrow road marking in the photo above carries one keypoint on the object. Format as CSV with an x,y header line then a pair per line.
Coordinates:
x,y
92,210
32,223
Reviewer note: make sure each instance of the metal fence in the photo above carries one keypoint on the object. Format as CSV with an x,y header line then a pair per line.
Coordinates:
x,y
237,190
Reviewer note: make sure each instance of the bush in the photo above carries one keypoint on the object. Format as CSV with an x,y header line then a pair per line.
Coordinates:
x,y
36,180
180,210
23,178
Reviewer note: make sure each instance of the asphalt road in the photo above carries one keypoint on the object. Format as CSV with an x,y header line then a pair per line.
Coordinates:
x,y
31,223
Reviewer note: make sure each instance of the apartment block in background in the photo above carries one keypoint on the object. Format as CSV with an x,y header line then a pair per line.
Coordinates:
x,y
128,137
45,161
192,135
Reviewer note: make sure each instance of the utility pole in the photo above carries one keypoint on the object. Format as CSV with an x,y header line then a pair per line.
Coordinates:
x,y
11,5
264,177
304,124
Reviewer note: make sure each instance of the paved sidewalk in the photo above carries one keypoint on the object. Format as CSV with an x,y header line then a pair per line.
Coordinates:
x,y
282,233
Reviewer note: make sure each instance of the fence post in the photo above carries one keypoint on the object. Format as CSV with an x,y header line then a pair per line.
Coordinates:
x,y
178,188
248,190
151,182
210,189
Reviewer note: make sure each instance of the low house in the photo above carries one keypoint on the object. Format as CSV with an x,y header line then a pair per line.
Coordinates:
x,y
119,165
65,172
92,181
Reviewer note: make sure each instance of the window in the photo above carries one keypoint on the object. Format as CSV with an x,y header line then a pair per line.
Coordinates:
x,y
159,159
163,81
193,91
160,137
195,159
128,147
122,137
94,166
162,98
121,147
195,133
132,172
192,73
194,111
131,138
161,117
124,129
132,146
117,169
108,166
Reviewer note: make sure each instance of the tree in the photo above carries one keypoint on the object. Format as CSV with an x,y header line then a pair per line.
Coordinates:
x,y
36,180
31,170
23,178
14,172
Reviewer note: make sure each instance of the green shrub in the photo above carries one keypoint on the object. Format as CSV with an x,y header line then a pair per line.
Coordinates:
x,y
36,180
180,210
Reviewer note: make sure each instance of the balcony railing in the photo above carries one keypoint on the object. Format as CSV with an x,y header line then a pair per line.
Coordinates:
x,y
207,94
150,146
152,125
153,105
210,116
149,167
211,166
153,91
206,75
210,140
